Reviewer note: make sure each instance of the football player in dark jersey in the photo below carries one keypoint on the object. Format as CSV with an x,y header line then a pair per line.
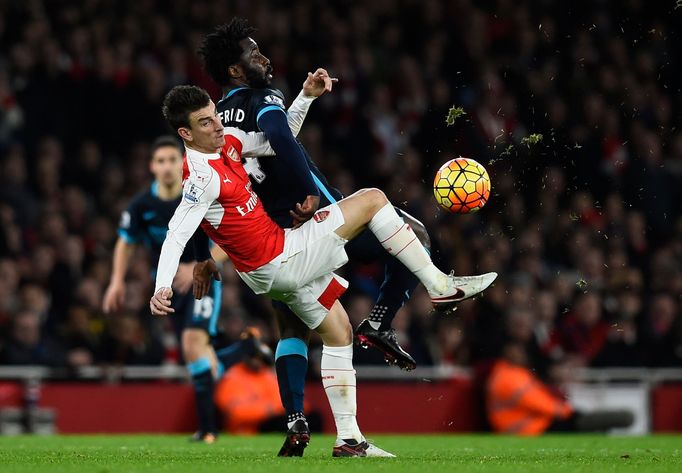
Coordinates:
x,y
145,222
291,188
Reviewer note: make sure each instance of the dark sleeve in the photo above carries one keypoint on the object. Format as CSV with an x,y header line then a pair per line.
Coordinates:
x,y
129,227
202,251
272,120
329,194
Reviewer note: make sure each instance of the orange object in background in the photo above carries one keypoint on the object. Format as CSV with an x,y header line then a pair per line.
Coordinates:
x,y
247,397
519,403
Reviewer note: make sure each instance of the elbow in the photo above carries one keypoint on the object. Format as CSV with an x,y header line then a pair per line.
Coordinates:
x,y
172,240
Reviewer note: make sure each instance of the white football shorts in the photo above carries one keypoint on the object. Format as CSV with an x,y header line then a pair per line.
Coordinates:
x,y
303,275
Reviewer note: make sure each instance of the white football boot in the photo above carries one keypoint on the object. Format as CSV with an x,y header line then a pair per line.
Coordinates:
x,y
459,288
353,448
374,451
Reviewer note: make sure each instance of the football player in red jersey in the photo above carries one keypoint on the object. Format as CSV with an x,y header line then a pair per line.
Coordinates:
x,y
295,266
145,222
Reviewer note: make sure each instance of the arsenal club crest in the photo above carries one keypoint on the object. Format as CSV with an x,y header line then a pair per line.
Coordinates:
x,y
321,216
233,154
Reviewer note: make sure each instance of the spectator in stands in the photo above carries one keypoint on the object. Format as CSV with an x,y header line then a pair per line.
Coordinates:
x,y
451,349
9,286
623,345
27,345
519,403
583,331
126,342
544,329
81,336
662,332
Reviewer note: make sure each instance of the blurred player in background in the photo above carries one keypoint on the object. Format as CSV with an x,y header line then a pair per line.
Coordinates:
x,y
293,181
295,266
146,222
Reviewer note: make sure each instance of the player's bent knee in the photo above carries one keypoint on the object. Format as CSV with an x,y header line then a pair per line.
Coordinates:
x,y
336,329
345,332
374,199
378,196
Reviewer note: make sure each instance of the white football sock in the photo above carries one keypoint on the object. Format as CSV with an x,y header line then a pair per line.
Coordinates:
x,y
338,379
400,241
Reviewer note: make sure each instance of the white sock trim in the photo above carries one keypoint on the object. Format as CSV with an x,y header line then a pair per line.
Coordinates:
x,y
385,215
338,379
339,352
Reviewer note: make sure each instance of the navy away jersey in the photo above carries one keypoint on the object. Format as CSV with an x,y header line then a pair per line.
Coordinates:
x,y
145,221
241,108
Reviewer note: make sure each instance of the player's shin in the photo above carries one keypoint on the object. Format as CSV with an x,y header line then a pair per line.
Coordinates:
x,y
203,383
396,289
400,241
291,364
338,379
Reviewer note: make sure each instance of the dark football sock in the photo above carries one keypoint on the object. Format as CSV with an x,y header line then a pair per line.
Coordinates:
x,y
291,364
202,380
398,284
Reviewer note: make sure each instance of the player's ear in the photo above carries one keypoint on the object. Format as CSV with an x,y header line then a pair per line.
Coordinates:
x,y
185,134
235,71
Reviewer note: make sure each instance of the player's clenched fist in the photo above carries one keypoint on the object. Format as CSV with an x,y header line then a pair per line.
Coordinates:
x,y
160,303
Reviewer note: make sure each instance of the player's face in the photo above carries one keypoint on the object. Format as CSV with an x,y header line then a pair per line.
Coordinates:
x,y
166,165
206,129
257,67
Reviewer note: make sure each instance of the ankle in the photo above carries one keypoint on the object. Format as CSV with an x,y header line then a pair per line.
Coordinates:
x,y
434,280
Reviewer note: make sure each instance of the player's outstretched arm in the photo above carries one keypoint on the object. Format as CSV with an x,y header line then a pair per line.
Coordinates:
x,y
297,112
315,85
114,296
197,198
129,233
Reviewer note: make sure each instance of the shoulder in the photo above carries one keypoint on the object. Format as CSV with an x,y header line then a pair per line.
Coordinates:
x,y
266,92
140,200
132,216
198,170
200,183
266,97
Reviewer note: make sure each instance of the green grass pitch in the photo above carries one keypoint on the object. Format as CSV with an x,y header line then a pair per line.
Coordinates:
x,y
416,453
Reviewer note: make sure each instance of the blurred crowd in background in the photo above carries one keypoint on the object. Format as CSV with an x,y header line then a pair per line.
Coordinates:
x,y
584,226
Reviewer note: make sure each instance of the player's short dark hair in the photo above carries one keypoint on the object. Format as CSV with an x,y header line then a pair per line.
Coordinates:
x,y
166,141
180,102
221,48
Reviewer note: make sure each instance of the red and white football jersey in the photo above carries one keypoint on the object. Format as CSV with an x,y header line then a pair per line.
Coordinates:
x,y
217,195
